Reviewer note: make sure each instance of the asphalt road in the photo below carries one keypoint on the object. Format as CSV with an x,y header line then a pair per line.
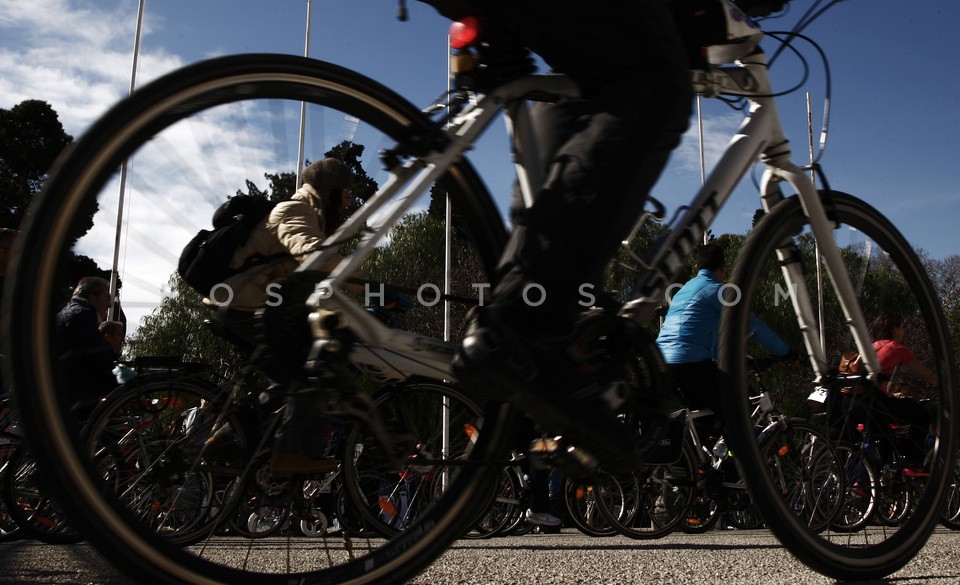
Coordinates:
x,y
726,557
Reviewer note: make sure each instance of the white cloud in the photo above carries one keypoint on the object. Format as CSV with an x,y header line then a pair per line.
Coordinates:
x,y
717,132
75,55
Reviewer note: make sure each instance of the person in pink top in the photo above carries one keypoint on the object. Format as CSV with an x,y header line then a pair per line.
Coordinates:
x,y
896,406
888,331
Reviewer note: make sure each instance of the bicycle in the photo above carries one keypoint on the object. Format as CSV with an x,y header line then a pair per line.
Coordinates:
x,y
882,487
25,505
799,455
427,148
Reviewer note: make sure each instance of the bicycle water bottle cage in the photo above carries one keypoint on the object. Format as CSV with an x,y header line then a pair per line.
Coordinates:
x,y
482,59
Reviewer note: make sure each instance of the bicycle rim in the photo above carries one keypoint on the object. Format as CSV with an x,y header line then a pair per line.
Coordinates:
x,y
889,278
171,131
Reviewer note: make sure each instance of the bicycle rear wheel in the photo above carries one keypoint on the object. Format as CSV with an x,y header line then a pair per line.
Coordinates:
x,y
888,277
143,439
192,138
581,498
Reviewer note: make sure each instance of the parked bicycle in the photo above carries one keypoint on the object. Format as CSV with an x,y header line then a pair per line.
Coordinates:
x,y
331,337
802,458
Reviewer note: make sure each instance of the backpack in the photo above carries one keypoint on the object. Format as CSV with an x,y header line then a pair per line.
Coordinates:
x,y
205,260
850,363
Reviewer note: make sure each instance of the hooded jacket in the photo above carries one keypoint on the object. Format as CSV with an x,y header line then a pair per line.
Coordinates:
x,y
296,227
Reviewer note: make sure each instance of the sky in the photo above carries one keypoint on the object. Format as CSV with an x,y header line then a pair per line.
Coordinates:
x,y
893,136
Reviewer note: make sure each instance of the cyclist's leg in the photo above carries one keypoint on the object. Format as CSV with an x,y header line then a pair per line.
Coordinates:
x,y
612,146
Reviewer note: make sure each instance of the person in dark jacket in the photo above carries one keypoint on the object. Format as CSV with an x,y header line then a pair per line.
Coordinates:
x,y
85,359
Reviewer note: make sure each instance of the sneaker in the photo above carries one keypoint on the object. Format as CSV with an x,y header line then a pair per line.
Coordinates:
x,y
542,518
289,464
572,386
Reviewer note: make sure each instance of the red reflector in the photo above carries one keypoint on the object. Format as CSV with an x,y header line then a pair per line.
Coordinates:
x,y
464,32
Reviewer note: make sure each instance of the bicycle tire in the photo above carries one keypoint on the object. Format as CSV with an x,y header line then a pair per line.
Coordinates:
x,y
504,509
664,494
951,512
860,503
807,470
702,515
83,174
880,259
581,500
138,437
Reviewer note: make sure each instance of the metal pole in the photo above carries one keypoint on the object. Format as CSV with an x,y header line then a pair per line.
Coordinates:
x,y
703,166
114,272
816,245
447,266
303,105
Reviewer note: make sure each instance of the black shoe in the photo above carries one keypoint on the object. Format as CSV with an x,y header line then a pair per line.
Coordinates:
x,y
571,386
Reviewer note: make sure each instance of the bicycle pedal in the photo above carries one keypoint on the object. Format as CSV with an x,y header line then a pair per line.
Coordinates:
x,y
554,452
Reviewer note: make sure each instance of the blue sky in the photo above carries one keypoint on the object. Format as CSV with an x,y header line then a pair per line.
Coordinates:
x,y
894,126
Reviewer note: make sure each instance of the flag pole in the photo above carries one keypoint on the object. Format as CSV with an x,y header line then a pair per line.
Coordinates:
x,y
447,268
114,272
303,105
703,165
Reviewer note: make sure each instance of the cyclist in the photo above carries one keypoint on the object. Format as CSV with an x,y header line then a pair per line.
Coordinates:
x,y
632,71
291,231
896,404
688,337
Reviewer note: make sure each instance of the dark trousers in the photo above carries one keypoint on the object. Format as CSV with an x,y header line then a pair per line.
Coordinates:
x,y
700,383
610,147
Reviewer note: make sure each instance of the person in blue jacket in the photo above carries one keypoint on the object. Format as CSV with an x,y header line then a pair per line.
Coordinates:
x,y
688,338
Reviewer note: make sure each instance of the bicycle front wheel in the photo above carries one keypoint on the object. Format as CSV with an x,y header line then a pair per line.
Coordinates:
x,y
888,277
191,139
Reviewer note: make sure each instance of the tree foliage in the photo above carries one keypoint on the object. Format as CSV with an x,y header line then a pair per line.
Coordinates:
x,y
31,138
177,328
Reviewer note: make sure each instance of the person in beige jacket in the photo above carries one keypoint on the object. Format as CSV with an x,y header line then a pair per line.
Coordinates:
x,y
278,243
286,236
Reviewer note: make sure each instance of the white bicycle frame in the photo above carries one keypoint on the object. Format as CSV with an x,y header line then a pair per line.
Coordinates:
x,y
400,354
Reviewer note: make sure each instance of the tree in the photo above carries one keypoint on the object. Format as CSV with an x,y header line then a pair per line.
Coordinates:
x,y
177,328
414,260
31,138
